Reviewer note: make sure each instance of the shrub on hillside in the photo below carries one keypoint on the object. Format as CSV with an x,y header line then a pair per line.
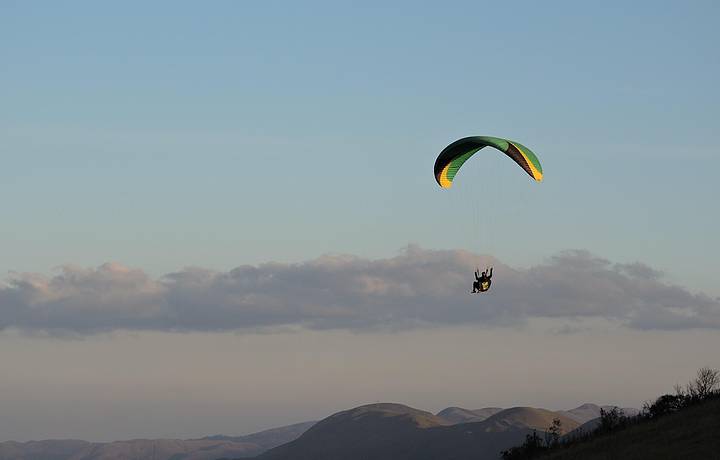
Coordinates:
x,y
705,386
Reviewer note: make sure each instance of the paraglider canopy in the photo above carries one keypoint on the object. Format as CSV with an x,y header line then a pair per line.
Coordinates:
x,y
454,155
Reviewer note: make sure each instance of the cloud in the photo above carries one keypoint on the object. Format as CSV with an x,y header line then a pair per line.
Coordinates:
x,y
417,288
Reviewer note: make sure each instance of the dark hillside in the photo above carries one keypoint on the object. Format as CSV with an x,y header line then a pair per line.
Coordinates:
x,y
690,434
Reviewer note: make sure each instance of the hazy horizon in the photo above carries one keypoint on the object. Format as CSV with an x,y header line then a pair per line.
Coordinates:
x,y
121,407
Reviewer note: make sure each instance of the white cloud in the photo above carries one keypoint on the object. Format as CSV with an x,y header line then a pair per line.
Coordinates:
x,y
418,287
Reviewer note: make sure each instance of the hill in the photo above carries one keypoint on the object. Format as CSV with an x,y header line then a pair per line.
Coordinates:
x,y
692,433
268,439
209,448
527,417
42,450
459,415
587,412
398,432
581,414
363,432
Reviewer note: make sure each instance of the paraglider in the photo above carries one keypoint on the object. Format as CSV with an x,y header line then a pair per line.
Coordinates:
x,y
451,159
482,282
456,154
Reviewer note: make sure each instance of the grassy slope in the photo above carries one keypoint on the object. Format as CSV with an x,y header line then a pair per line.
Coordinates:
x,y
693,433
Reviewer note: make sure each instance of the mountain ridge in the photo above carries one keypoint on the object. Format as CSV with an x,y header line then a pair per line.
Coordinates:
x,y
206,448
399,432
452,431
456,414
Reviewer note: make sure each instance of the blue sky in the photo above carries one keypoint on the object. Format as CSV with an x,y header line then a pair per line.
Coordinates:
x,y
170,134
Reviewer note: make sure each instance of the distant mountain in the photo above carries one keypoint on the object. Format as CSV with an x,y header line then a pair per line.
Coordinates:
x,y
527,417
454,415
209,448
398,432
459,415
587,412
581,414
377,431
269,438
42,450
486,412
136,449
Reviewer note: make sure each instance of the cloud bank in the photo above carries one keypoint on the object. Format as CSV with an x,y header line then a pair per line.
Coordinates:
x,y
417,288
